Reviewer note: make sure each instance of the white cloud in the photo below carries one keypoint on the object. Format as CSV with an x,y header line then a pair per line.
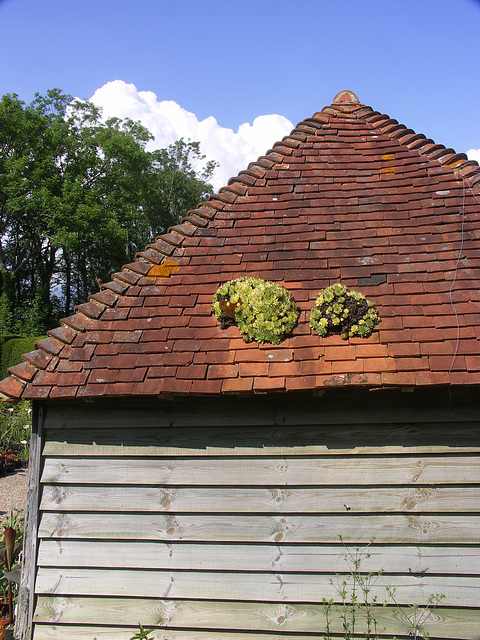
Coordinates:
x,y
168,121
474,154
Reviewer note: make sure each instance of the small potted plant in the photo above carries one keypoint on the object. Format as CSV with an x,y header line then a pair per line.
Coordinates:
x,y
10,462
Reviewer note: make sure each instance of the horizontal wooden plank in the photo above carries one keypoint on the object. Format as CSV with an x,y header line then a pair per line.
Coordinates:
x,y
250,586
251,500
283,471
207,440
237,557
278,410
61,632
410,529
273,617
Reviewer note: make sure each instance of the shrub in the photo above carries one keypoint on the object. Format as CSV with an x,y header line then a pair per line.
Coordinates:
x,y
15,428
12,348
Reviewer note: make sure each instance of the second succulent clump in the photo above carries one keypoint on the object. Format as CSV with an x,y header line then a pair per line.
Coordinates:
x,y
337,309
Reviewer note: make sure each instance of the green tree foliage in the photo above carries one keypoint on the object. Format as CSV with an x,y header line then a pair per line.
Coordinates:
x,y
176,182
78,198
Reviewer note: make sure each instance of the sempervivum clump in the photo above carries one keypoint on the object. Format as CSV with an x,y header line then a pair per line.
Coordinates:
x,y
263,311
339,310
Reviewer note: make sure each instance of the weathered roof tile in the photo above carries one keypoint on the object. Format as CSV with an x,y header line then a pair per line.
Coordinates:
x,y
32,392
38,359
50,345
24,371
78,322
90,309
12,388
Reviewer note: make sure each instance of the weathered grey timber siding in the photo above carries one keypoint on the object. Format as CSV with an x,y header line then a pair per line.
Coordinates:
x,y
220,519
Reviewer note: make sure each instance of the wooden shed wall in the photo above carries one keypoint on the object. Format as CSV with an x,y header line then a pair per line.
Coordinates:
x,y
216,520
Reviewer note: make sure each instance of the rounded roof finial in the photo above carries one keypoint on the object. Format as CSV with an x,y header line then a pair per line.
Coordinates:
x,y
346,96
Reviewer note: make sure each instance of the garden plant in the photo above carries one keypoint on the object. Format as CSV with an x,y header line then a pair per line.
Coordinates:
x,y
11,540
15,429
358,607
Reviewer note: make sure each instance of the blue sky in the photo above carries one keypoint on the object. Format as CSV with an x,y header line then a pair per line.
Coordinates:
x,y
231,61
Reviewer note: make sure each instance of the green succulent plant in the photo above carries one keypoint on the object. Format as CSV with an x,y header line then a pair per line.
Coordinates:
x,y
263,311
337,309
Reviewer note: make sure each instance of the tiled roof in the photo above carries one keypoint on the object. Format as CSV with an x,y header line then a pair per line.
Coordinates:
x,y
349,196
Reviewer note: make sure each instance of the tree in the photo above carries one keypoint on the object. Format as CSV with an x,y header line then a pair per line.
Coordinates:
x,y
28,186
176,183
78,198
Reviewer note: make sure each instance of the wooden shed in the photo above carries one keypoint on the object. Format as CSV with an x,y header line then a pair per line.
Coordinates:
x,y
197,484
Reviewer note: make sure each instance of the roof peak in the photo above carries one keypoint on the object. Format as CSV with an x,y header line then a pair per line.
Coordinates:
x,y
346,96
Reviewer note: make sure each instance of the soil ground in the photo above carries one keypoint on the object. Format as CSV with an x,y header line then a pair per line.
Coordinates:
x,y
13,491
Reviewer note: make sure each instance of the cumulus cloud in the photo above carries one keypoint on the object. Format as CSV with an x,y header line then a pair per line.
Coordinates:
x,y
474,154
168,121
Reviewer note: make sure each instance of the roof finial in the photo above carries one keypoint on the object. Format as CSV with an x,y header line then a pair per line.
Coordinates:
x,y
346,96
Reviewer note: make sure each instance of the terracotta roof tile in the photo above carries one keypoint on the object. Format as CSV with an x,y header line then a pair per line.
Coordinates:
x,y
78,322
236,385
63,392
350,195
90,309
12,387
50,345
31,392
38,359
23,371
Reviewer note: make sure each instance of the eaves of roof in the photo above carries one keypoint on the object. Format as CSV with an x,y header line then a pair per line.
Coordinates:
x,y
349,196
